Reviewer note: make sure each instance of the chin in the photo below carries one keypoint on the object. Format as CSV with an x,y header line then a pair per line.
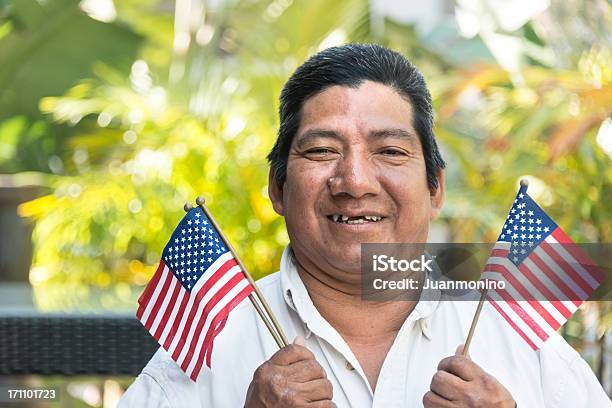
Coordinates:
x,y
346,258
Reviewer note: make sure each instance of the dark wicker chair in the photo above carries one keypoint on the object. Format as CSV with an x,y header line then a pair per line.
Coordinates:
x,y
57,344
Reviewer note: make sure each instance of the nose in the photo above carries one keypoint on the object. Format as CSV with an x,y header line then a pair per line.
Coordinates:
x,y
354,176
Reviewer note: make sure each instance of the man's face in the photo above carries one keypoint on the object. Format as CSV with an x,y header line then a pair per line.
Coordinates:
x,y
355,174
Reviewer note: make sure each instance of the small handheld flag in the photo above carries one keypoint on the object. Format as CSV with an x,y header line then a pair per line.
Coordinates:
x,y
547,277
197,284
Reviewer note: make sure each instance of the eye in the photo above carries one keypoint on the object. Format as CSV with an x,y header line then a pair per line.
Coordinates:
x,y
320,153
319,150
393,152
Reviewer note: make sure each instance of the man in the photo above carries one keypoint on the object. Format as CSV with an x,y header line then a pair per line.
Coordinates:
x,y
356,161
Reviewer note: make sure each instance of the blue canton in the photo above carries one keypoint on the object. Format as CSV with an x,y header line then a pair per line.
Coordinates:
x,y
526,227
194,246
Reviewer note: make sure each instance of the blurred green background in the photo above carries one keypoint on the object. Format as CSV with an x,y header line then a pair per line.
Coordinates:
x,y
114,113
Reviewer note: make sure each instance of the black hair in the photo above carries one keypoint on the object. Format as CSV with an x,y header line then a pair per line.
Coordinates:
x,y
350,65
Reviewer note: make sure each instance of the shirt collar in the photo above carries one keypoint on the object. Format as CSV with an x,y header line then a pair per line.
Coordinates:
x,y
297,298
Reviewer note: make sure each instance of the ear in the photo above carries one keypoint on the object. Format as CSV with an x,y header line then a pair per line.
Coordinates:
x,y
437,196
275,192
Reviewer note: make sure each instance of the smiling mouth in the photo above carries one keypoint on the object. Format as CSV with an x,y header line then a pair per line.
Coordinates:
x,y
360,219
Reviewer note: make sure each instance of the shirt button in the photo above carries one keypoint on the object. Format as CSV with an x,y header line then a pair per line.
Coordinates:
x,y
349,366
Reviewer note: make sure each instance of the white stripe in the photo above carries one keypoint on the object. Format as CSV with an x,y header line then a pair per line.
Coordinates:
x,y
539,274
516,319
172,317
558,248
557,270
531,312
213,313
216,265
503,245
153,299
235,270
164,304
534,292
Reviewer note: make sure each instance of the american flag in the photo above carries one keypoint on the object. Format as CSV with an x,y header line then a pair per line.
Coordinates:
x,y
547,277
196,285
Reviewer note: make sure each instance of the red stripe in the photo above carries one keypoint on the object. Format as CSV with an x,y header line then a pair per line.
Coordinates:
x,y
208,341
177,321
160,299
522,314
499,253
218,274
219,325
169,307
220,294
529,297
587,263
146,294
538,285
567,291
512,324
567,268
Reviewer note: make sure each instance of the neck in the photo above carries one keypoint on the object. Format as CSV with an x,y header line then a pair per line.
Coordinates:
x,y
342,305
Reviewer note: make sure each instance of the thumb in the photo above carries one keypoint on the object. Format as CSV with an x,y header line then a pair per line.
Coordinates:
x,y
459,351
299,341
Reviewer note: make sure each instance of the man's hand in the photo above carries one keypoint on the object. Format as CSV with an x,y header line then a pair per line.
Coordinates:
x,y
459,382
290,378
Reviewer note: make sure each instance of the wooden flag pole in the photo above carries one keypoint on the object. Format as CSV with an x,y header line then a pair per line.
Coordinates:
x,y
483,297
275,328
188,207
466,346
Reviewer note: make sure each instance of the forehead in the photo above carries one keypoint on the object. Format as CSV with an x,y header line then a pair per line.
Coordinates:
x,y
371,106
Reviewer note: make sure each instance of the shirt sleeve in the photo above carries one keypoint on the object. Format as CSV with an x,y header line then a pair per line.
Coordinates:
x,y
567,380
162,384
581,388
144,392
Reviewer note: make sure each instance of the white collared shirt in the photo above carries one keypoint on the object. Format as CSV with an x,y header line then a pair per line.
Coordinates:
x,y
555,376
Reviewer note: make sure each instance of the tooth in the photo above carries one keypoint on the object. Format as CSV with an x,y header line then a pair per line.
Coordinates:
x,y
345,218
335,217
357,221
367,217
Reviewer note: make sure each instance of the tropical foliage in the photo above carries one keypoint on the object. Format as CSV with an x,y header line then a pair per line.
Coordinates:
x,y
127,119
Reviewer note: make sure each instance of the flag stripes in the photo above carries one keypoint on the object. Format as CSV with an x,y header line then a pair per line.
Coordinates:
x,y
197,284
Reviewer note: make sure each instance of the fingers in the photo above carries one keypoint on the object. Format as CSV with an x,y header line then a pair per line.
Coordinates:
x,y
459,351
460,366
432,400
321,404
447,385
305,370
317,390
291,354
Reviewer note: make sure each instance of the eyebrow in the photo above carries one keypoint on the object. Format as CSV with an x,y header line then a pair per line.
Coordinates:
x,y
377,134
